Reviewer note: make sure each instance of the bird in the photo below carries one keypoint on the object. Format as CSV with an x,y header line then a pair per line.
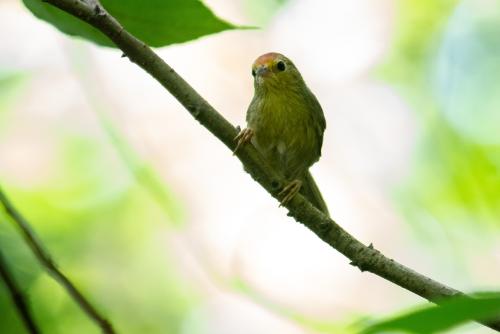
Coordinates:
x,y
285,123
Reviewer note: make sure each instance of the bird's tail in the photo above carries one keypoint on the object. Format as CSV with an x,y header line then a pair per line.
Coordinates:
x,y
311,191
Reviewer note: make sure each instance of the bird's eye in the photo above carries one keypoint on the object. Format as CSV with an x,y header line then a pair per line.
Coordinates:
x,y
253,72
280,65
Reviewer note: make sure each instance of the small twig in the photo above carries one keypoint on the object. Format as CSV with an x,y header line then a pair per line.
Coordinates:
x,y
17,297
50,266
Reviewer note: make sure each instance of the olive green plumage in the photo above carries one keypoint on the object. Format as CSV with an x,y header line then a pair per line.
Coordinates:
x,y
287,122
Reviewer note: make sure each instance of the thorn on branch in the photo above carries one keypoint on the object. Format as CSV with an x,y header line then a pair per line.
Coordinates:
x,y
98,11
358,265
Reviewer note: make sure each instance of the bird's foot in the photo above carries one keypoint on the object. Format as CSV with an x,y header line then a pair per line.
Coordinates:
x,y
242,138
289,191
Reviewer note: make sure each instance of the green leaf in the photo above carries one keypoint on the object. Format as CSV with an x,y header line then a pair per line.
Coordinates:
x,y
156,22
66,23
434,319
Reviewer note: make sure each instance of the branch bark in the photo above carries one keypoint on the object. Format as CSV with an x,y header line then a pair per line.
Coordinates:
x,y
17,297
50,266
366,258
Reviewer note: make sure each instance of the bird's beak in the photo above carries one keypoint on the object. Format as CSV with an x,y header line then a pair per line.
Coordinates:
x,y
263,71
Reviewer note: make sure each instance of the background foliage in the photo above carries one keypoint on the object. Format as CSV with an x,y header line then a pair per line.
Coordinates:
x,y
105,213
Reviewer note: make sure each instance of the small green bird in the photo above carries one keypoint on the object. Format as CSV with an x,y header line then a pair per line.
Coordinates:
x,y
285,123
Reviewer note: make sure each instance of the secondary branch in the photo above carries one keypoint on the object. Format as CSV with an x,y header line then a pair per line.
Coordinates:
x,y
50,266
17,297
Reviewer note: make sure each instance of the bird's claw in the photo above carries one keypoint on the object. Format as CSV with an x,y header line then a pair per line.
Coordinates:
x,y
289,191
243,137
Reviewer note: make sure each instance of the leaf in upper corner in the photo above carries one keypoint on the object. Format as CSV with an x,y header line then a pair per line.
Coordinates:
x,y
435,319
66,22
156,22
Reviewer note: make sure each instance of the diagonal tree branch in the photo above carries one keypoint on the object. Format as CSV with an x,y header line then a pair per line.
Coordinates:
x,y
366,258
50,266
18,297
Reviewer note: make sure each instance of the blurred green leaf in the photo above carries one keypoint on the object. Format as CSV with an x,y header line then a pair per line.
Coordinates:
x,y
453,179
465,71
434,319
11,87
262,11
143,172
443,63
156,22
418,27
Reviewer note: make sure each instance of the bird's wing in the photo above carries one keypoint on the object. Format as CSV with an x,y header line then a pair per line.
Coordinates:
x,y
252,110
318,118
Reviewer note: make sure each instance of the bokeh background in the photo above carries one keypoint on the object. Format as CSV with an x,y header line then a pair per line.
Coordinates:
x,y
158,224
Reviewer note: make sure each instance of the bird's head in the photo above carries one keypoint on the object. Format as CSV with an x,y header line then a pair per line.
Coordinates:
x,y
275,71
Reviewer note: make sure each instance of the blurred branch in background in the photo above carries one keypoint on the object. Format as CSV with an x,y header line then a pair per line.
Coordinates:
x,y
46,261
18,297
364,257
139,169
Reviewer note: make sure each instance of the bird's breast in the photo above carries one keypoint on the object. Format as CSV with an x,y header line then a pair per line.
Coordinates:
x,y
283,132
